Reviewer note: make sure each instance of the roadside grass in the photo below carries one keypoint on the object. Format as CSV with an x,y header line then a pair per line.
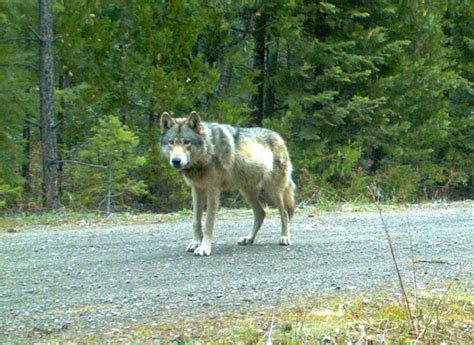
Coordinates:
x,y
333,319
87,218
13,222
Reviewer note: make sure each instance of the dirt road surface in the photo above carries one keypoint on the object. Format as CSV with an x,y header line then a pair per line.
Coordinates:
x,y
83,279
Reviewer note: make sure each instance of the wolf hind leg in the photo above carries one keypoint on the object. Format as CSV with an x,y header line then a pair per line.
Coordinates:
x,y
258,214
289,199
277,197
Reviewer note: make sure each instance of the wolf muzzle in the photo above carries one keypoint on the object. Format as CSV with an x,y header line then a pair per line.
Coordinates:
x,y
176,162
179,162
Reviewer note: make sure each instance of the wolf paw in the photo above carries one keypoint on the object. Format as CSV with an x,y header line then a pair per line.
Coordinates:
x,y
246,240
193,245
203,250
285,241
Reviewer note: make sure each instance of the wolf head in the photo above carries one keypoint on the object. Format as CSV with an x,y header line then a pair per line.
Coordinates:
x,y
182,140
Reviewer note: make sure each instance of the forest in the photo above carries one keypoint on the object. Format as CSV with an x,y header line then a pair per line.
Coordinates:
x,y
364,92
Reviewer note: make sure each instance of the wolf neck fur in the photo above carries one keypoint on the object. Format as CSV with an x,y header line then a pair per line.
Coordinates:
x,y
202,166
194,170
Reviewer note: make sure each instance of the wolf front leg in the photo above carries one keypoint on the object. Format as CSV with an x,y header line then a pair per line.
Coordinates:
x,y
211,213
199,200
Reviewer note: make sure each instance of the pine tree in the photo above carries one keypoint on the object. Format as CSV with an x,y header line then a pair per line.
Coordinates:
x,y
457,153
49,148
103,175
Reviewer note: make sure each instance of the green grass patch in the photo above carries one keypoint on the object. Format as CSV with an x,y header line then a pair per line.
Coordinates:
x,y
88,218
10,223
339,319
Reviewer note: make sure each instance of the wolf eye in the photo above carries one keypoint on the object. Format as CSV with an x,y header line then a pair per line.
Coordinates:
x,y
171,142
187,142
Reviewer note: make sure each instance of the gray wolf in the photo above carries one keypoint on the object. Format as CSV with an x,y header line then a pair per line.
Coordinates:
x,y
214,157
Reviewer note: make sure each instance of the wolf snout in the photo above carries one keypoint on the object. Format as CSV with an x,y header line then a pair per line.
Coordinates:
x,y
176,162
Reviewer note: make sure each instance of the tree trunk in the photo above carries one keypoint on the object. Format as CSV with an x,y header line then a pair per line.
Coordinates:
x,y
259,64
25,166
272,63
109,193
48,132
63,84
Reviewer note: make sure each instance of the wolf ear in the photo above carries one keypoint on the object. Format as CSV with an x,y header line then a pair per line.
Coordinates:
x,y
194,121
166,121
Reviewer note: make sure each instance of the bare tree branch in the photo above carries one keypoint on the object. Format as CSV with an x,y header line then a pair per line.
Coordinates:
x,y
242,30
83,163
37,35
11,90
415,285
270,332
12,39
19,64
34,123
56,124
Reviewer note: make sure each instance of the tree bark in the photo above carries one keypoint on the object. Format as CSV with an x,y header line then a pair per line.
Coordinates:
x,y
109,193
25,166
259,64
63,84
47,111
272,63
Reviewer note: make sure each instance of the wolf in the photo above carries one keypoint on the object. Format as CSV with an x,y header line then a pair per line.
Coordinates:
x,y
213,157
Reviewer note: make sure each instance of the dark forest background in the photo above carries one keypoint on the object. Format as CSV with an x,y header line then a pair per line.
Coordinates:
x,y
364,92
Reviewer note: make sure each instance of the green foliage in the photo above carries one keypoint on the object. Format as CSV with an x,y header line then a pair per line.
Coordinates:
x,y
8,194
111,159
379,81
398,183
18,99
166,190
363,92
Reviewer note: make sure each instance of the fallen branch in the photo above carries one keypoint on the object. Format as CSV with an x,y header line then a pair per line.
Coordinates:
x,y
270,335
441,262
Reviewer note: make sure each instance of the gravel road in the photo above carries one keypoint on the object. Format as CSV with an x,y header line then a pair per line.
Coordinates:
x,y
86,279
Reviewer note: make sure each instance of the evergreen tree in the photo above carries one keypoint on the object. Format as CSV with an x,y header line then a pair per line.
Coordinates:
x,y
457,152
48,125
19,103
104,175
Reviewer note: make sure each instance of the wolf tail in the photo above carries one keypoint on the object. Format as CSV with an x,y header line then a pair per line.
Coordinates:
x,y
289,199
